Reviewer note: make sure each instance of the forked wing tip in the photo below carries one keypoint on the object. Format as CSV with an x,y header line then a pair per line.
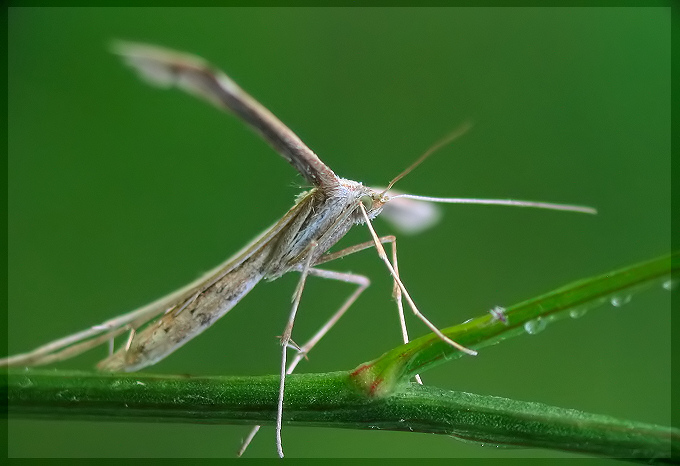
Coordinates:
x,y
158,66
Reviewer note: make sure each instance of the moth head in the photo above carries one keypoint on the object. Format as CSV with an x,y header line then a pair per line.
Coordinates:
x,y
373,201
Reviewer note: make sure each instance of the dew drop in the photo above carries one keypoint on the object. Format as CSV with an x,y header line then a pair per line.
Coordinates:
x,y
535,326
26,383
578,312
618,301
669,285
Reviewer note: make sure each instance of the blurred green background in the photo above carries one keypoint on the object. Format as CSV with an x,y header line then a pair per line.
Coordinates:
x,y
120,193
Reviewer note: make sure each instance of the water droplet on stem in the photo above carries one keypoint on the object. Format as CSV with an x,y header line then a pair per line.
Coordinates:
x,y
578,312
535,326
618,301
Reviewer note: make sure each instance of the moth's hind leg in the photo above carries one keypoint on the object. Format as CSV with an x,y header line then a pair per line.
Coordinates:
x,y
362,283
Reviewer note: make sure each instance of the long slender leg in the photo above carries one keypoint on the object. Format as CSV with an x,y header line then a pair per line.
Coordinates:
x,y
352,249
362,283
409,300
285,341
396,291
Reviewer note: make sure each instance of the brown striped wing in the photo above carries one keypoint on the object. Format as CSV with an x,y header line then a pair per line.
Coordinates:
x,y
167,68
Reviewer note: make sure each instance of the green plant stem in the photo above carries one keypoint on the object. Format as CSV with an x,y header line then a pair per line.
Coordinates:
x,y
329,400
376,395
398,365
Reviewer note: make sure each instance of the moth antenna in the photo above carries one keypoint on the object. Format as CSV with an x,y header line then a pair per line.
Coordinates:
x,y
510,202
464,128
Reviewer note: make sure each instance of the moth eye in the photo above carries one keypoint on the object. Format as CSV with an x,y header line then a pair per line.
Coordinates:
x,y
367,201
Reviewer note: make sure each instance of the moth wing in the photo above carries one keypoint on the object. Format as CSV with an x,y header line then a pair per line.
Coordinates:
x,y
167,68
